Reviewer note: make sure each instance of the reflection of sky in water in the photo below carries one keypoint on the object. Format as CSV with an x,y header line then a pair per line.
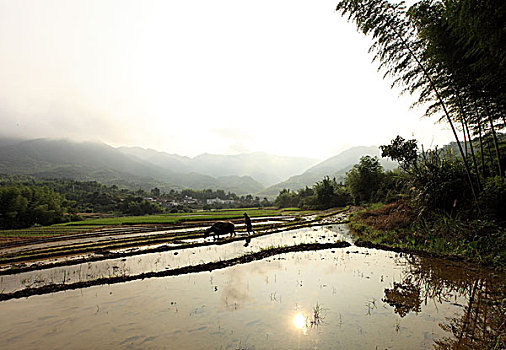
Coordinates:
x,y
115,234
138,264
266,304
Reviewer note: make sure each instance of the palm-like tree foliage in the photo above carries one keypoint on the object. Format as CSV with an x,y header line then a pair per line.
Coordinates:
x,y
452,53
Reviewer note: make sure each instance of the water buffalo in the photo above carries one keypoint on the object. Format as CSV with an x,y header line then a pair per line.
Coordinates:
x,y
220,228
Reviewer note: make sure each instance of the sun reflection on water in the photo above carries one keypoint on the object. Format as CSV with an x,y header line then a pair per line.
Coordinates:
x,y
299,320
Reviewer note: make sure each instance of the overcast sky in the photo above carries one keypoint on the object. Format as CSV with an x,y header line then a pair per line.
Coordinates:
x,y
288,77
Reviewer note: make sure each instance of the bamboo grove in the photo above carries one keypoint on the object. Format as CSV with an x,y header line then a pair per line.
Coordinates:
x,y
451,54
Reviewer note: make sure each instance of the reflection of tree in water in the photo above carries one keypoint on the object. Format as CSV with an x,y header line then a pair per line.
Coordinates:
x,y
404,297
483,323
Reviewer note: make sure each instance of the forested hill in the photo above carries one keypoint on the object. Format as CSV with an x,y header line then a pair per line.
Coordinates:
x,y
135,167
335,167
141,168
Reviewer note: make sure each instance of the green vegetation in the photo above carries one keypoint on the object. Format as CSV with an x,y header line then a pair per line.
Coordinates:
x,y
174,218
93,197
323,195
366,182
395,225
25,206
452,53
436,211
66,198
364,179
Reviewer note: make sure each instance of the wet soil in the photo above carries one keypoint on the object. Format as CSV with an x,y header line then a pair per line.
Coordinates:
x,y
427,254
346,298
174,272
72,251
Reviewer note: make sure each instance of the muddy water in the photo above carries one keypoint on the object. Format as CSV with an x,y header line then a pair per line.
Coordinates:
x,y
154,262
351,298
98,236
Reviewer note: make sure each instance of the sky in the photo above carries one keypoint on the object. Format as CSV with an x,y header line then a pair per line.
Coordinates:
x,y
286,77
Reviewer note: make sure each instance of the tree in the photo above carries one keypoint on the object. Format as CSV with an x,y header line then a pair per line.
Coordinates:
x,y
451,53
286,199
364,179
155,192
24,206
402,151
436,179
329,194
465,41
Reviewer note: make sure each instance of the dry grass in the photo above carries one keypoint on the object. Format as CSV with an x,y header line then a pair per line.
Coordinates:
x,y
394,216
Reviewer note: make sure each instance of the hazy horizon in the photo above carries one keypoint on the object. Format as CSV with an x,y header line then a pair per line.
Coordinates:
x,y
23,139
285,78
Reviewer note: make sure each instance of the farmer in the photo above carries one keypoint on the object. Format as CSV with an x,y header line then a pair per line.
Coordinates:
x,y
249,228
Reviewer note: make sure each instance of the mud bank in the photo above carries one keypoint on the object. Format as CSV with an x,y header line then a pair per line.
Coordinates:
x,y
423,253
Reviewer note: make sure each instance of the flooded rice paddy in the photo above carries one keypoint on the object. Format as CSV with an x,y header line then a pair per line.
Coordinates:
x,y
172,259
343,298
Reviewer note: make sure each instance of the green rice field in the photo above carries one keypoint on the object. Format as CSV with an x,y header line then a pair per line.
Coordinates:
x,y
175,218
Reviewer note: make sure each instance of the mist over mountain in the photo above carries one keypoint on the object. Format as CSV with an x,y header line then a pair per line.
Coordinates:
x,y
265,168
164,160
134,167
336,166
7,141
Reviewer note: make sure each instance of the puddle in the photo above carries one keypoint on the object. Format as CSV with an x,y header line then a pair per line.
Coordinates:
x,y
353,298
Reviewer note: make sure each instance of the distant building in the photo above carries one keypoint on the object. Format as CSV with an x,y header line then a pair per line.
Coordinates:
x,y
190,200
219,201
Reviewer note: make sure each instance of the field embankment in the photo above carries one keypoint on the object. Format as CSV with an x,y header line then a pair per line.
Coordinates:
x,y
396,226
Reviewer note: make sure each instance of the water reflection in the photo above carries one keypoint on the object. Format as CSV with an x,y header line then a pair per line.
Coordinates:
x,y
352,298
235,291
404,297
248,241
299,320
162,261
479,292
303,321
483,323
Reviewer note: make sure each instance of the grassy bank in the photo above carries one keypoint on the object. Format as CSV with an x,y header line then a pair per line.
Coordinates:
x,y
397,225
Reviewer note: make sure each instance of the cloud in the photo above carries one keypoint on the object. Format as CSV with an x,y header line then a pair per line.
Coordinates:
x,y
235,140
195,77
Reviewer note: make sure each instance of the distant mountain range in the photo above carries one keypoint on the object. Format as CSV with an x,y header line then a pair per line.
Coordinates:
x,y
335,167
265,168
134,167
137,167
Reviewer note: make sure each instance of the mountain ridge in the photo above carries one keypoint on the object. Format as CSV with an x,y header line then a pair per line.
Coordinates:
x,y
334,167
140,167
257,173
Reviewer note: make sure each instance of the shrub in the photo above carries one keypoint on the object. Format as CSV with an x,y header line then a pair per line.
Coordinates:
x,y
493,198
